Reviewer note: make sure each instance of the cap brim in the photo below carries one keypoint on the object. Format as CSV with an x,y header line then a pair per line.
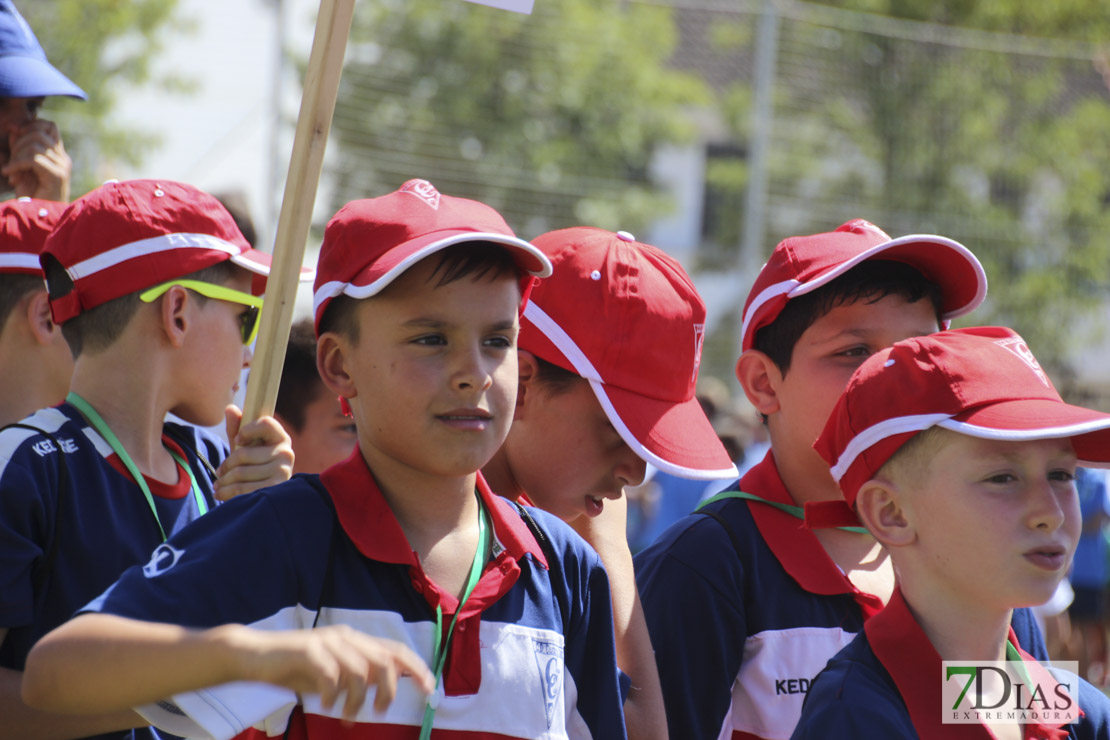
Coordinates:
x,y
391,265
29,77
949,264
676,438
260,262
1035,418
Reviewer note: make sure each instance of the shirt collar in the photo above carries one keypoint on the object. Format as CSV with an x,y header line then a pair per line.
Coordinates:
x,y
795,547
906,653
367,519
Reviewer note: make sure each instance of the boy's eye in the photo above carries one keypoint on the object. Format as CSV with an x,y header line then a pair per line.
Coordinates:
x,y
1064,476
499,342
1001,478
431,340
855,352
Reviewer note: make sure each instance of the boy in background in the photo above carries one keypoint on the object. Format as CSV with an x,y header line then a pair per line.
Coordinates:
x,y
744,604
150,282
321,433
960,458
609,351
35,362
33,161
417,303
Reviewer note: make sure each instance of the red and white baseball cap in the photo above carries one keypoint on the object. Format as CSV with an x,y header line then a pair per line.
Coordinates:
x,y
127,236
983,382
625,316
801,264
369,243
24,225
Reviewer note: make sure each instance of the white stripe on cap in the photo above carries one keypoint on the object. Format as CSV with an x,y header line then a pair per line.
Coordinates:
x,y
876,433
1021,435
586,369
768,293
19,260
153,245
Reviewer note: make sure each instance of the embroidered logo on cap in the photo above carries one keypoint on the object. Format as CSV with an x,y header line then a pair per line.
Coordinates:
x,y
1018,346
423,190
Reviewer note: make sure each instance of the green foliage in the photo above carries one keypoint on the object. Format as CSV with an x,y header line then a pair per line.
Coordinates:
x,y
550,118
990,140
99,44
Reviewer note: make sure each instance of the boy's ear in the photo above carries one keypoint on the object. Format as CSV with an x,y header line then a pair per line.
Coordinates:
x,y
527,371
880,507
39,319
173,312
760,377
332,353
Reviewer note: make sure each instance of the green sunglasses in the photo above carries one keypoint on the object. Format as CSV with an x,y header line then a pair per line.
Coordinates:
x,y
248,320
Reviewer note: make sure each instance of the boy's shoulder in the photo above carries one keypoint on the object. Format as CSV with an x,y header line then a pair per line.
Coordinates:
x,y
854,696
41,436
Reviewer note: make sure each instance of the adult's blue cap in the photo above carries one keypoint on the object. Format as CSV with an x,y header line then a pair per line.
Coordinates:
x,y
24,70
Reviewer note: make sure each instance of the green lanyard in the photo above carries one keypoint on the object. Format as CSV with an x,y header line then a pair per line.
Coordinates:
x,y
439,650
97,423
795,511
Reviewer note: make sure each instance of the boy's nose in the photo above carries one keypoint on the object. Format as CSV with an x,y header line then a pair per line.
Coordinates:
x,y
470,371
1046,511
631,469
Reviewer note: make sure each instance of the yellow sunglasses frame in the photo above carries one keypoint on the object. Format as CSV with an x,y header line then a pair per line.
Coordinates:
x,y
210,290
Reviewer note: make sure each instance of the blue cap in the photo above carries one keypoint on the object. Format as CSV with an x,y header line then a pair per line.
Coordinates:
x,y
24,70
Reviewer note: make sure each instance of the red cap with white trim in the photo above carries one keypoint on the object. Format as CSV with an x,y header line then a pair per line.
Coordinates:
x,y
625,316
801,264
24,225
369,243
127,236
983,382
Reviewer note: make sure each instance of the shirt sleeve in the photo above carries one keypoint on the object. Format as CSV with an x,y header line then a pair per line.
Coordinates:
x,y
23,537
690,592
236,566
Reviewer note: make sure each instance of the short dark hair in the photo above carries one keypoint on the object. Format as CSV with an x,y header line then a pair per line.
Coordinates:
x,y
13,288
553,379
869,281
98,328
479,259
300,380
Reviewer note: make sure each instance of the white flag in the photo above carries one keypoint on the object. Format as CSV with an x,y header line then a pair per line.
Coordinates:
x,y
517,6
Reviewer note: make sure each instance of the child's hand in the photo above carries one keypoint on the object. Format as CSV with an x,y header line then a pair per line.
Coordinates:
x,y
330,660
38,166
261,456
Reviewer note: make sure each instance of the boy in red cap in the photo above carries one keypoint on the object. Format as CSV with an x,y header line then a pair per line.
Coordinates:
x,y
960,457
417,302
744,604
35,362
593,409
150,283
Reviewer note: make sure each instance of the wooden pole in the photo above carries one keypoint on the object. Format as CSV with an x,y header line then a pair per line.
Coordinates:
x,y
321,88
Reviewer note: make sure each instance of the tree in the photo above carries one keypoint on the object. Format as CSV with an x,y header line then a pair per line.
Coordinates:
x,y
99,44
550,118
1000,140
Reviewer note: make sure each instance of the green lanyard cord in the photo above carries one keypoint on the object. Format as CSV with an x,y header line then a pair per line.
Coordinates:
x,y
795,511
96,422
439,649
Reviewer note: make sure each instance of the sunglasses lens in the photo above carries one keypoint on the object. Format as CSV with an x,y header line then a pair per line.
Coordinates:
x,y
249,319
